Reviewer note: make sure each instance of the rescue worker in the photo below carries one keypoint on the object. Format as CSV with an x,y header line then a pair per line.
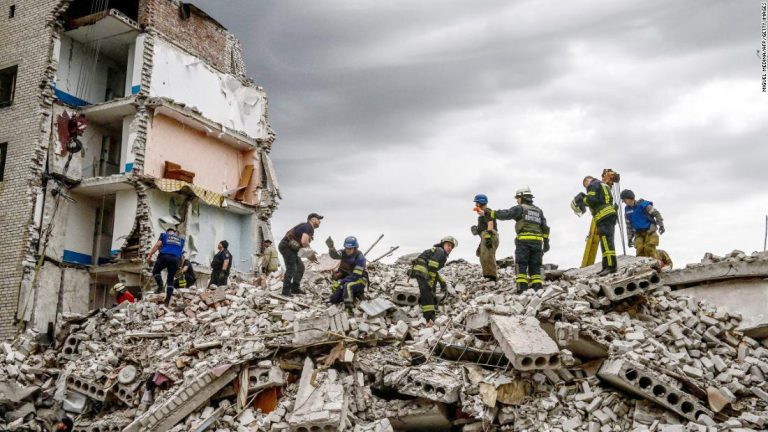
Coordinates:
x,y
665,259
532,239
221,265
296,238
171,246
123,295
489,238
65,425
270,261
351,279
186,276
425,269
643,223
600,202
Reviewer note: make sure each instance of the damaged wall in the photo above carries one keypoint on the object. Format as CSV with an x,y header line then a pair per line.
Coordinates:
x,y
125,216
220,97
209,225
217,166
24,126
86,74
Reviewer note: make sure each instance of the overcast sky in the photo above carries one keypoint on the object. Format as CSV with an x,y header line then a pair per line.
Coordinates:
x,y
391,115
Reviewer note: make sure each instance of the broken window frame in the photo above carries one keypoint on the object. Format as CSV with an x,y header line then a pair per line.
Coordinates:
x,y
12,72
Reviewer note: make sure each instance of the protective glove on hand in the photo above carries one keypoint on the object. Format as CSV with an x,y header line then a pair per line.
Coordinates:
x,y
631,243
473,228
329,242
661,230
546,245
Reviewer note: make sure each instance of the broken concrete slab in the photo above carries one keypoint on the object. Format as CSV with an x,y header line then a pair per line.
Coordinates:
x,y
696,274
620,289
439,383
525,343
321,401
406,295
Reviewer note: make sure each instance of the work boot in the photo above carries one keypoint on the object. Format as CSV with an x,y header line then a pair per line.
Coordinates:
x,y
287,293
521,287
297,291
606,271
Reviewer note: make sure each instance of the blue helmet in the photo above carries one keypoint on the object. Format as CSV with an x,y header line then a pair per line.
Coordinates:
x,y
351,242
481,199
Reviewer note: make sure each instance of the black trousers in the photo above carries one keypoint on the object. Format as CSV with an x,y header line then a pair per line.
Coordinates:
x,y
219,278
426,299
606,229
294,268
528,258
165,262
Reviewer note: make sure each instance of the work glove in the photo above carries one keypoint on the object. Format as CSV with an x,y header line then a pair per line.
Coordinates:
x,y
335,285
661,229
631,242
488,241
473,228
546,245
329,242
443,285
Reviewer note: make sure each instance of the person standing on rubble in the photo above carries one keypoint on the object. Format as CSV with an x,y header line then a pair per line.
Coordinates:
x,y
351,279
489,238
270,261
425,269
170,245
296,238
600,202
221,265
532,239
643,223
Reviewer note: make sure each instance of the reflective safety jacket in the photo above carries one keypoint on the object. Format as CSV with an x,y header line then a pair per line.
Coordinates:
x,y
172,244
531,223
428,264
642,217
599,200
352,267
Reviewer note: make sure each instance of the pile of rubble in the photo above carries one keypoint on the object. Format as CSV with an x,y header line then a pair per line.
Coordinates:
x,y
612,353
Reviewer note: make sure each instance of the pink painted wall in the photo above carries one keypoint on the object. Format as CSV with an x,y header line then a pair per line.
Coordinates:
x,y
211,160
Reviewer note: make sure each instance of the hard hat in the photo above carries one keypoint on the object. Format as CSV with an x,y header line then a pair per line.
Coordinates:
x,y
450,239
118,287
627,194
481,199
351,242
524,192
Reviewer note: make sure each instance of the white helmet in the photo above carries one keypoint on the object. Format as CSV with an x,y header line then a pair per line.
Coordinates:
x,y
118,287
524,192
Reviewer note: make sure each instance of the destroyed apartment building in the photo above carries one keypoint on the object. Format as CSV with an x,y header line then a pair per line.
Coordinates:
x,y
117,119
633,351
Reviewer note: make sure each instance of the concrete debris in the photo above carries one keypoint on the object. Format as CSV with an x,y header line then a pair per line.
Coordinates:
x,y
580,355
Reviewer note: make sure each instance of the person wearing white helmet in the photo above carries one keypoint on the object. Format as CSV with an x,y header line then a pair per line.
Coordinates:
x,y
532,239
425,269
351,279
123,295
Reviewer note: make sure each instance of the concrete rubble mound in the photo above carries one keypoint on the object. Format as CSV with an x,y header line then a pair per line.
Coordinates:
x,y
616,353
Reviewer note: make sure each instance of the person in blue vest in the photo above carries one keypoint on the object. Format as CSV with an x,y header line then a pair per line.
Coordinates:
x,y
643,224
171,245
351,279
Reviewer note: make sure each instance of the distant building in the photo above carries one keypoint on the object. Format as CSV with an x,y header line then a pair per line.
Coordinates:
x,y
175,132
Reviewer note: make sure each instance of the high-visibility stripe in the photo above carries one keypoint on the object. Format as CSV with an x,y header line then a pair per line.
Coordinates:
x,y
605,211
433,263
591,193
530,237
428,308
357,272
606,193
419,268
608,253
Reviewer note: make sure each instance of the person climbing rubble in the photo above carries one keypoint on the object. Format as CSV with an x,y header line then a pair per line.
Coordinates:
x,y
489,238
123,295
644,224
532,239
221,265
351,279
600,202
296,238
425,269
270,261
171,245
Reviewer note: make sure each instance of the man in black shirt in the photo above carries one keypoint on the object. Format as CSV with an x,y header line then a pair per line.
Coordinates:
x,y
296,238
221,265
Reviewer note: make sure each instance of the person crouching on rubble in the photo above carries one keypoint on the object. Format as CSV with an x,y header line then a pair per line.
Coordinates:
x,y
351,279
425,269
65,425
123,295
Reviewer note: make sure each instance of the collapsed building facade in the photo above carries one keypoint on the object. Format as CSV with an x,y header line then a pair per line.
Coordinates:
x,y
172,132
